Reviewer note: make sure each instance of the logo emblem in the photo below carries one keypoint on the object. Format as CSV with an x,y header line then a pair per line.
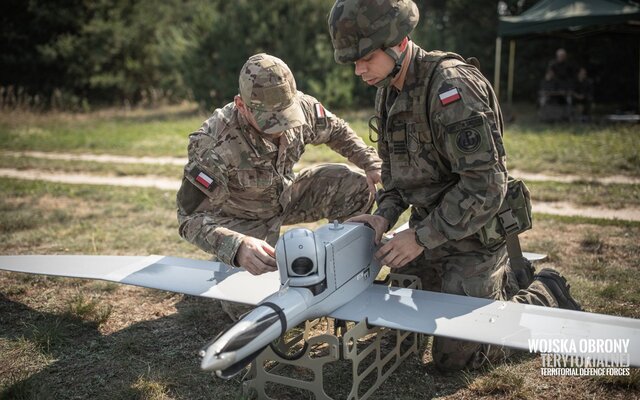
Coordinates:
x,y
468,140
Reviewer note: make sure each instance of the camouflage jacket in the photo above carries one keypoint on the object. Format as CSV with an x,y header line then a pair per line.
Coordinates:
x,y
233,173
442,151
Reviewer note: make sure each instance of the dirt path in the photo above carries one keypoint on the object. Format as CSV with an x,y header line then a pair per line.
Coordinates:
x,y
565,178
63,177
101,158
110,158
555,208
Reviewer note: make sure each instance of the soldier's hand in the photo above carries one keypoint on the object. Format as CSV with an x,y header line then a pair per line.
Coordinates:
x,y
380,224
400,249
374,177
256,256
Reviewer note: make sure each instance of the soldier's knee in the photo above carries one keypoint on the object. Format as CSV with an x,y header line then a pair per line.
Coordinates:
x,y
450,355
334,170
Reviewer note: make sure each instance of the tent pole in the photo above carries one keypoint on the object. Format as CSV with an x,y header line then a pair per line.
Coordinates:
x,y
512,59
496,71
639,77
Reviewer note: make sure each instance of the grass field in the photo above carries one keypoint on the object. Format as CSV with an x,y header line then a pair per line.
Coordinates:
x,y
588,150
75,339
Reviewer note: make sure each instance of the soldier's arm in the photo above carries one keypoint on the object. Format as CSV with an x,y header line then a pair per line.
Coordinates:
x,y
200,198
390,203
326,128
468,134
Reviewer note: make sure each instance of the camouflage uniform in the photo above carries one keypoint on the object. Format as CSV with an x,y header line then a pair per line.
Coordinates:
x,y
237,183
440,141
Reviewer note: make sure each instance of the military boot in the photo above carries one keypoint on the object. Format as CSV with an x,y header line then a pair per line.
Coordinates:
x,y
558,287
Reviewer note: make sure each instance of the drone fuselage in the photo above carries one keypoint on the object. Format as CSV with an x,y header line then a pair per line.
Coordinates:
x,y
319,272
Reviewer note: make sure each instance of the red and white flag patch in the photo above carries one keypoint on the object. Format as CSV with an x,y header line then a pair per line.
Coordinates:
x,y
204,179
320,111
321,116
450,96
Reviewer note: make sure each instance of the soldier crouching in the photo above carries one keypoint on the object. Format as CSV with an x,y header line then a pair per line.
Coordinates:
x,y
239,186
440,132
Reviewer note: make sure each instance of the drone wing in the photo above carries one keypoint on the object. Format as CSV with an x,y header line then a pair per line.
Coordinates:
x,y
181,275
503,323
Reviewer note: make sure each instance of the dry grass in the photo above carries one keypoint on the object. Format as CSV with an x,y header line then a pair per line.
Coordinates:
x,y
77,339
81,339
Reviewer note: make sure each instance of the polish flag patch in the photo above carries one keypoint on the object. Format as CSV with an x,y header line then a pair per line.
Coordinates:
x,y
321,116
204,179
320,111
450,96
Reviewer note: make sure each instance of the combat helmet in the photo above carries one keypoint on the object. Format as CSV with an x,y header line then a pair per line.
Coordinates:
x,y
358,27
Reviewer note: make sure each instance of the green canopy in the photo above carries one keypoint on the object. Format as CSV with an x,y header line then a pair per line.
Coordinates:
x,y
561,15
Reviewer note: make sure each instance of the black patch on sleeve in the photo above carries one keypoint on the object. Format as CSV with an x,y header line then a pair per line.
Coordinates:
x,y
190,197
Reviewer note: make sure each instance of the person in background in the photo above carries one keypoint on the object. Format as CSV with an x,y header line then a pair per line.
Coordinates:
x,y
563,70
583,95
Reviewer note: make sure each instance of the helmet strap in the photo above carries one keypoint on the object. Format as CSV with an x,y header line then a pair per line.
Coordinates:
x,y
398,59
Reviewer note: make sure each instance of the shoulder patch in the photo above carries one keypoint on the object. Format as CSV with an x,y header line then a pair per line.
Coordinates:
x,y
321,115
203,179
468,140
448,95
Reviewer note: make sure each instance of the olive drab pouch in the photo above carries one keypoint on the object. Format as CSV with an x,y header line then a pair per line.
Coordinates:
x,y
514,216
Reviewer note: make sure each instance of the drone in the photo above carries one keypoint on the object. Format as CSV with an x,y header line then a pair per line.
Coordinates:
x,y
331,272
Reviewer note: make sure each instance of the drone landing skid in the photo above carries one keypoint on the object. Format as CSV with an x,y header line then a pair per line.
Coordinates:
x,y
373,352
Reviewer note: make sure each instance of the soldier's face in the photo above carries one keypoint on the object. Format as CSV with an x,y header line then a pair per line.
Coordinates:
x,y
252,120
374,67
246,112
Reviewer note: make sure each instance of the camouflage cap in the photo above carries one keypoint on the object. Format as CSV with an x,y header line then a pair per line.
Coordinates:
x,y
358,27
268,88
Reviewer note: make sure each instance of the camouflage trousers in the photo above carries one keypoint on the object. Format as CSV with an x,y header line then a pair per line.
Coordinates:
x,y
331,191
469,269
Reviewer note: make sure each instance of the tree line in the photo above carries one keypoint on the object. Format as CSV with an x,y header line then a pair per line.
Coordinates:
x,y
79,54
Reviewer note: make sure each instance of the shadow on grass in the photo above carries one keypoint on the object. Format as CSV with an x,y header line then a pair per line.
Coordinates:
x,y
65,357
61,357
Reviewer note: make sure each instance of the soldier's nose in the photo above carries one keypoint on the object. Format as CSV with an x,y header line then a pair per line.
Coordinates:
x,y
359,68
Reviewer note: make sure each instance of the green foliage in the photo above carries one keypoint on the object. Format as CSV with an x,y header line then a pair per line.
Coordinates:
x,y
446,26
142,51
74,54
295,32
101,51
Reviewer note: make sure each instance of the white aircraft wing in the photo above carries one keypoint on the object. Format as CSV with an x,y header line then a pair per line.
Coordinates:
x,y
181,275
495,322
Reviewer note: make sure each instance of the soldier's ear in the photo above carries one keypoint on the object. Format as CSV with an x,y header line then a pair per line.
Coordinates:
x,y
404,43
237,100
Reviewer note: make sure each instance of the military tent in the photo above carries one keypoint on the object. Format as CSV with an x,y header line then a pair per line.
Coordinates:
x,y
564,18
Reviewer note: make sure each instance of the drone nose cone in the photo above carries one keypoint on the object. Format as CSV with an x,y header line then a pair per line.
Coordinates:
x,y
213,360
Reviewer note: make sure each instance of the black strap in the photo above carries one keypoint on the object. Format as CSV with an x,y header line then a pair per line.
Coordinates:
x,y
519,265
513,249
278,310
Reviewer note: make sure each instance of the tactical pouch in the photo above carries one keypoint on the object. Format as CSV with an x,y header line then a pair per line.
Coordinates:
x,y
514,216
